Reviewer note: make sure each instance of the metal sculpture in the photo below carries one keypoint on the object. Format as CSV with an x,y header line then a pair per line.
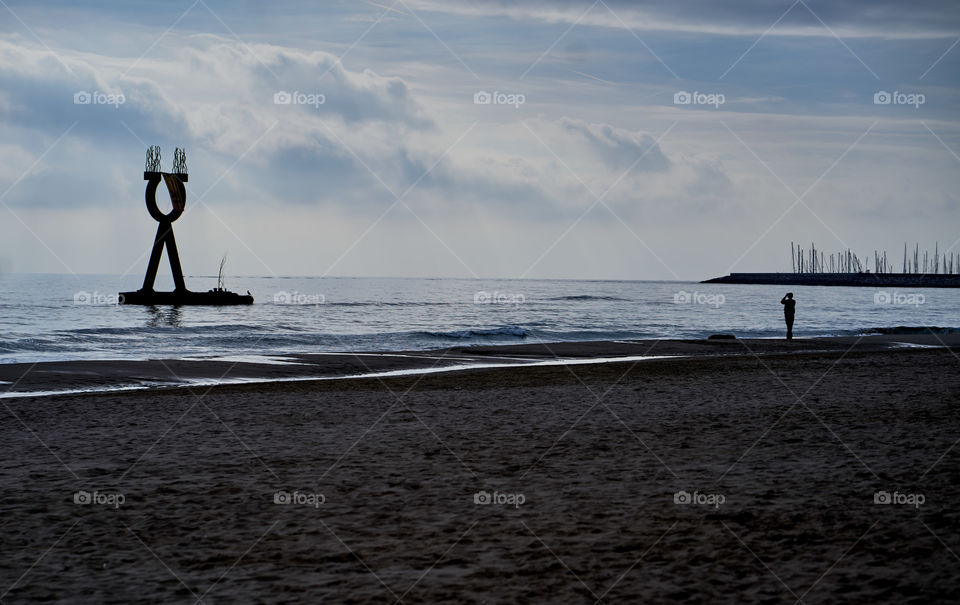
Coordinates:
x,y
174,182
178,197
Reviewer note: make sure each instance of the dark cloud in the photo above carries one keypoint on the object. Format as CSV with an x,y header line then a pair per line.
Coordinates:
x,y
924,18
619,148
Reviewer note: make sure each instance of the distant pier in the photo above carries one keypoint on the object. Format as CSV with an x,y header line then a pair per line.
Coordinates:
x,y
813,267
873,280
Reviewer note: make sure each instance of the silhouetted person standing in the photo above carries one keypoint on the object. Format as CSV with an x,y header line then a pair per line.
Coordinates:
x,y
789,309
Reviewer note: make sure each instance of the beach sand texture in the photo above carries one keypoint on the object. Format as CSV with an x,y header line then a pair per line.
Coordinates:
x,y
796,446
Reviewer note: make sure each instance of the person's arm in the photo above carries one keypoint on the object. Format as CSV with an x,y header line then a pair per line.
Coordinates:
x,y
783,300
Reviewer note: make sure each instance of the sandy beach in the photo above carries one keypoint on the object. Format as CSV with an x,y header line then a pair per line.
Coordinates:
x,y
791,472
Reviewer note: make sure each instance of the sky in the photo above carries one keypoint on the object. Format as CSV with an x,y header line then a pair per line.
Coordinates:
x,y
479,138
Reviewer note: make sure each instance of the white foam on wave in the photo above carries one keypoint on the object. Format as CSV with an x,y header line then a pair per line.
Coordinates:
x,y
433,370
384,374
263,359
98,389
914,345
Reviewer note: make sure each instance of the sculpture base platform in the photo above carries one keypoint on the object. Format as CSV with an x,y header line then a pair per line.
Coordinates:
x,y
184,297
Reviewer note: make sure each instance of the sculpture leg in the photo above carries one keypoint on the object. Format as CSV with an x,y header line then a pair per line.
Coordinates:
x,y
151,275
174,257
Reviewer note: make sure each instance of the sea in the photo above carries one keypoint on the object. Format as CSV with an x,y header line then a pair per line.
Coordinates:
x,y
47,317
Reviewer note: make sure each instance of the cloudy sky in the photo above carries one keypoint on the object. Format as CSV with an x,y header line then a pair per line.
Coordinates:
x,y
566,139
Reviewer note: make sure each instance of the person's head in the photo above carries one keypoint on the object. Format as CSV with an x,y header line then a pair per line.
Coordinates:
x,y
789,294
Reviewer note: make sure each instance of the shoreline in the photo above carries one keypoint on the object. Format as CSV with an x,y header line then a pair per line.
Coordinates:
x,y
63,378
790,474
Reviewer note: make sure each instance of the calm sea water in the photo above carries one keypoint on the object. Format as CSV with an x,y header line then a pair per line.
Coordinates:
x,y
58,317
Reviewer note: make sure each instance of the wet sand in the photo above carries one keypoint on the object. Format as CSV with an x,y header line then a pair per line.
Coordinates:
x,y
102,375
739,477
